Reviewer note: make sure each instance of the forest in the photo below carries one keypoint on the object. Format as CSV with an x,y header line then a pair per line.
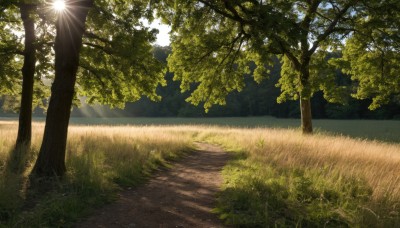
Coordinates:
x,y
256,99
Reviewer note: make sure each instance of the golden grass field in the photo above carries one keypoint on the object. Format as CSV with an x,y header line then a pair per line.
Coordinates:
x,y
377,162
335,157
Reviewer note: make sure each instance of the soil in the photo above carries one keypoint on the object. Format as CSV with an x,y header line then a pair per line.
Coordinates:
x,y
182,196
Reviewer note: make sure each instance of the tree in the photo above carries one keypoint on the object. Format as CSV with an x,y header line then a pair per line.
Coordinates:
x,y
372,54
214,41
20,41
68,43
28,71
102,51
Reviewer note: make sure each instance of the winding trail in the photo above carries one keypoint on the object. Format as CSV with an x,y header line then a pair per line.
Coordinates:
x,y
180,197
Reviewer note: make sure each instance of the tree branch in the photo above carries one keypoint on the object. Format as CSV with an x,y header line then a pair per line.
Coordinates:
x,y
91,35
92,71
330,29
105,50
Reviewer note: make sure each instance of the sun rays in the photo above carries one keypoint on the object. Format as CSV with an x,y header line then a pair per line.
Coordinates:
x,y
59,5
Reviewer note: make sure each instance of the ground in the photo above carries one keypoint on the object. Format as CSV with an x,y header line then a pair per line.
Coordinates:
x,y
180,197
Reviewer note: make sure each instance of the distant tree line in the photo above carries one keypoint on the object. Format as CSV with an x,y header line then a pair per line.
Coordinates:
x,y
255,100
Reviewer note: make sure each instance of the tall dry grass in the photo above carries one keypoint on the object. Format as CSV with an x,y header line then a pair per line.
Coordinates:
x,y
351,181
376,162
121,154
99,159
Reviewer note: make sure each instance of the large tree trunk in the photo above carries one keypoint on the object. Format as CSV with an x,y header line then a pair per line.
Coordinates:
x,y
70,28
28,71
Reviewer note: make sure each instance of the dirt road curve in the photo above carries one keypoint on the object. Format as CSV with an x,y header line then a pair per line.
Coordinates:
x,y
180,197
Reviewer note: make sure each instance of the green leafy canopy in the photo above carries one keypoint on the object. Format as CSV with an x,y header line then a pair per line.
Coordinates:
x,y
213,43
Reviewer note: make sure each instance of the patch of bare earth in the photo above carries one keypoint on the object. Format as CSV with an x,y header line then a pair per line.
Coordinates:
x,y
180,197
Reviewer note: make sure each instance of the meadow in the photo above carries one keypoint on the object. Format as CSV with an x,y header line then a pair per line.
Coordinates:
x,y
382,130
277,178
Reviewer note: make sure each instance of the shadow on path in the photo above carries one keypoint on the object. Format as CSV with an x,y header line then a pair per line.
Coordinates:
x,y
181,197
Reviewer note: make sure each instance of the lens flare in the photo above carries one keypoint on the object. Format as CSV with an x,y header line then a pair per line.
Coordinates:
x,y
59,5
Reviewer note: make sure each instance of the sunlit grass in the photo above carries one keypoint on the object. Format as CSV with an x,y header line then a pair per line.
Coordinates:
x,y
377,162
99,161
322,161
312,179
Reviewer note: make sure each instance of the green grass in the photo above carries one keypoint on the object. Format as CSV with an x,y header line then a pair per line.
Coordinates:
x,y
100,161
263,195
283,179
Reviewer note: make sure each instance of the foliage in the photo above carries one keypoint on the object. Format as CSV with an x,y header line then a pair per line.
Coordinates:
x,y
371,54
256,99
11,54
213,43
10,81
116,62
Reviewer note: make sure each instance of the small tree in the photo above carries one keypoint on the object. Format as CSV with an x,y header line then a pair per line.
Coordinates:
x,y
21,55
28,72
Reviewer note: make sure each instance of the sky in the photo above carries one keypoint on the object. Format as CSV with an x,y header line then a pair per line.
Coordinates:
x,y
163,30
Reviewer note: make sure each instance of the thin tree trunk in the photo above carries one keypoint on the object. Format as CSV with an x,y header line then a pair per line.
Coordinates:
x,y
28,72
305,97
70,28
306,117
17,160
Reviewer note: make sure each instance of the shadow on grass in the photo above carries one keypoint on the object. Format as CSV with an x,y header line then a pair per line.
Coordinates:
x,y
95,173
257,194
13,182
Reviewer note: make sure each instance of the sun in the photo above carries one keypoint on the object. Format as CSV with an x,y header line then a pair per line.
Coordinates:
x,y
59,5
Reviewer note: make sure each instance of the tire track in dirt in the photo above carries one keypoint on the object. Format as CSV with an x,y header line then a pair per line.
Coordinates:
x,y
180,197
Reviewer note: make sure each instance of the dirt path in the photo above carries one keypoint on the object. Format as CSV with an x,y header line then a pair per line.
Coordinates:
x,y
180,197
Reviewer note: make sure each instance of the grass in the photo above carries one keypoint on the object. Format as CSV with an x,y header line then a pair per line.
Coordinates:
x,y
282,178
382,130
100,160
279,177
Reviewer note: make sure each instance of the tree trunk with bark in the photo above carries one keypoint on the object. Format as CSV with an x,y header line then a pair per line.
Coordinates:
x,y
28,72
70,28
305,98
306,117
